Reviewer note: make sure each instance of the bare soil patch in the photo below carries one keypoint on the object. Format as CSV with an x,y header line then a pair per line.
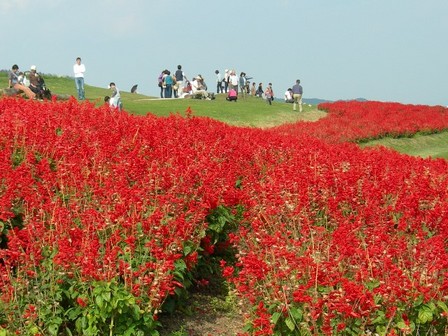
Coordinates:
x,y
204,314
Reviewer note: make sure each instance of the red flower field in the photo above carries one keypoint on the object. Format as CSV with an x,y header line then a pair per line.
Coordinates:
x,y
104,216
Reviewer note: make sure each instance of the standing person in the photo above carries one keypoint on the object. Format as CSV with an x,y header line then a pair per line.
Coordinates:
x,y
242,83
15,80
233,80
259,92
269,94
115,98
79,69
160,82
226,80
219,88
180,77
297,92
272,93
168,82
253,90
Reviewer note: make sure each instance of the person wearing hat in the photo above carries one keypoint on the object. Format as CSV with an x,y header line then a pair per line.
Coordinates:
x,y
15,80
35,80
297,92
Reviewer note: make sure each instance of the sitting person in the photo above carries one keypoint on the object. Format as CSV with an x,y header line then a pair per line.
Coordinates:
x,y
15,80
198,89
187,88
232,96
288,96
37,84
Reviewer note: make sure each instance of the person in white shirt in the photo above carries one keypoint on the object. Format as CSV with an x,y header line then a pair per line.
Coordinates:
x,y
219,88
196,88
288,96
115,98
233,80
79,70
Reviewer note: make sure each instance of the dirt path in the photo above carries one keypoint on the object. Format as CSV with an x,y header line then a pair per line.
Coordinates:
x,y
203,315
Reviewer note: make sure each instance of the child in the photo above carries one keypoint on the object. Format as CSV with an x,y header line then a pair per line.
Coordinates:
x,y
115,99
232,96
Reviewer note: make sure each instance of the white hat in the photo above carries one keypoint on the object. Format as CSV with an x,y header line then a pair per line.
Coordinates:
x,y
33,67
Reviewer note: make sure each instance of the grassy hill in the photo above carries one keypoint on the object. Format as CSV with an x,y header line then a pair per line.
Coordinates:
x,y
251,112
247,112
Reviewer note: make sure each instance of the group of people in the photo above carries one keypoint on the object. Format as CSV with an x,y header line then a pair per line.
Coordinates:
x,y
33,87
294,95
176,85
114,100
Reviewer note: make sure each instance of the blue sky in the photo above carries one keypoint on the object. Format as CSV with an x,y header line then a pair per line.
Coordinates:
x,y
386,50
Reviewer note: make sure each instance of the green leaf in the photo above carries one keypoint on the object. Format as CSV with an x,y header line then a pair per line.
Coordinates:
x,y
402,325
296,314
425,314
180,265
442,305
99,301
187,249
371,285
53,329
73,313
275,317
106,296
418,301
290,324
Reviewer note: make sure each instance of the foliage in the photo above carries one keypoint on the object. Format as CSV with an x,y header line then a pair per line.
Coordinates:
x,y
105,217
363,121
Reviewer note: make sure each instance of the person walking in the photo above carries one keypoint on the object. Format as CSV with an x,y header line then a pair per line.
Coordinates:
x,y
297,92
79,69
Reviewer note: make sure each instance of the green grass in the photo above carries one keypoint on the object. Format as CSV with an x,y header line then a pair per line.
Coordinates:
x,y
248,112
433,145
